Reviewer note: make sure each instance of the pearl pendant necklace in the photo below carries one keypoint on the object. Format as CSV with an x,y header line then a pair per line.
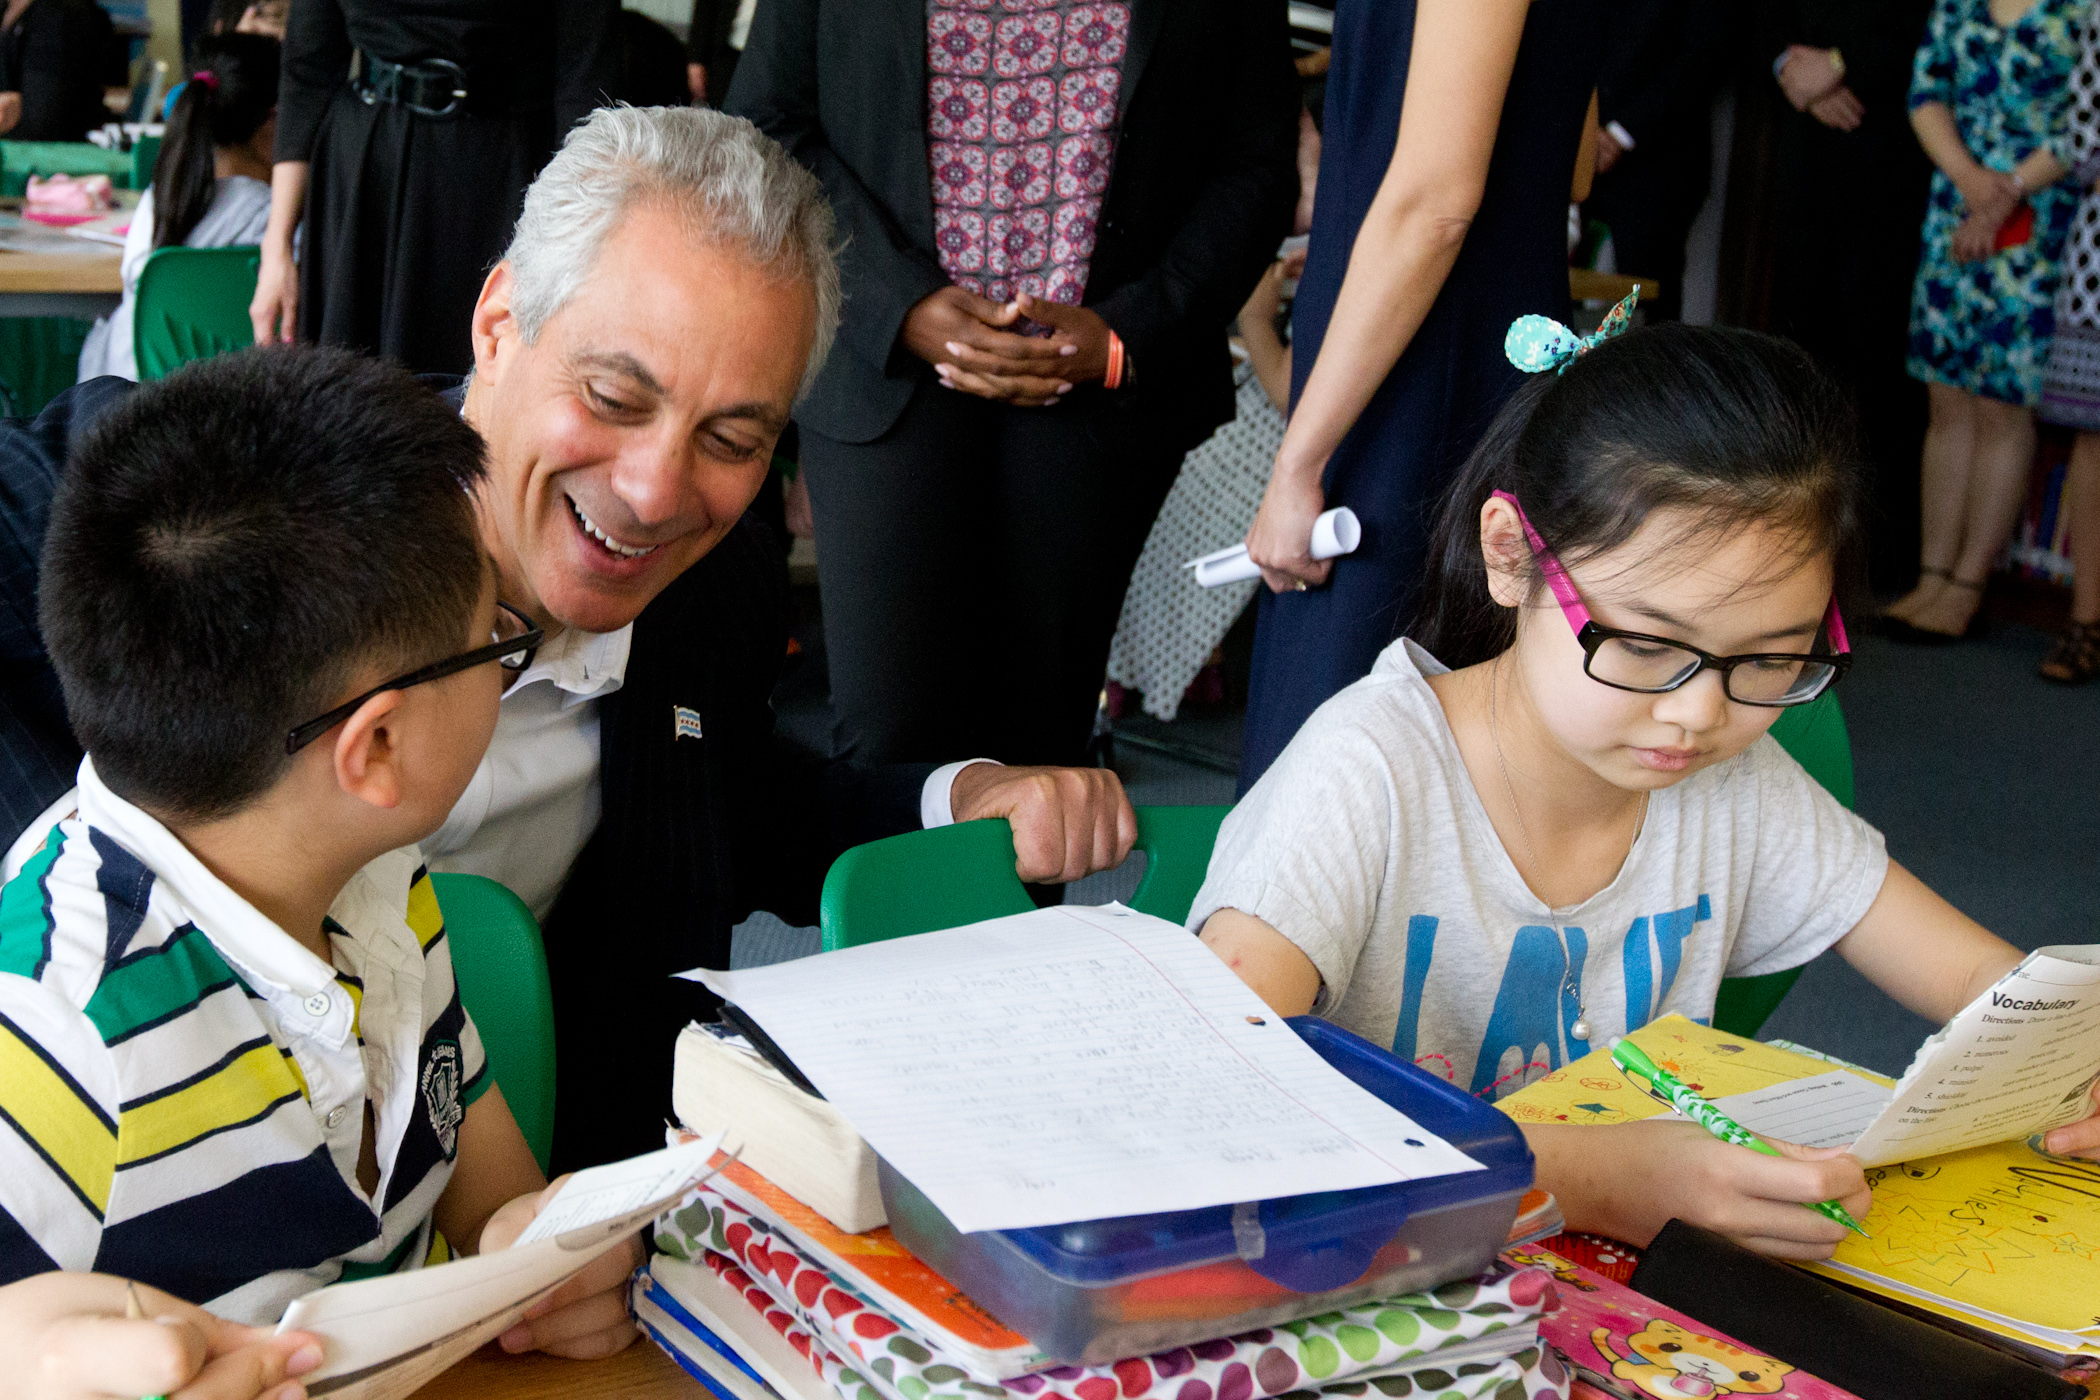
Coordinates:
x,y
1580,1030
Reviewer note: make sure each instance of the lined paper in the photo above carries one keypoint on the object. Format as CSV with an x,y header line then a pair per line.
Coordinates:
x,y
1823,1110
1073,1064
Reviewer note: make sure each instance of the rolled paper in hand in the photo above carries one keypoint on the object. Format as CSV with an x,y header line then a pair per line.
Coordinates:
x,y
1335,533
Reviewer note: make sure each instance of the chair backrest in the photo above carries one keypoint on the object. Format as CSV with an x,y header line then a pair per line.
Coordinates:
x,y
21,159
924,880
952,875
501,968
192,304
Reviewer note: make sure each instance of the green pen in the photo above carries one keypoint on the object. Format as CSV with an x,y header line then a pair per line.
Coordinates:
x,y
1630,1058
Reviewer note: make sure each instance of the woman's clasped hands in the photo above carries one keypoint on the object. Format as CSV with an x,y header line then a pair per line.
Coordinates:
x,y
972,345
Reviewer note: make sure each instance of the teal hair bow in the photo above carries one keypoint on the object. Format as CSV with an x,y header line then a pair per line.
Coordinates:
x,y
1536,343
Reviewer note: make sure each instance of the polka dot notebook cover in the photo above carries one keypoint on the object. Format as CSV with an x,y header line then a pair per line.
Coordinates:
x,y
1474,1339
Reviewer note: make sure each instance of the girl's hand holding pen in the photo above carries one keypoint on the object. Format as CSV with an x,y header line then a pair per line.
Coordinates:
x,y
1658,1169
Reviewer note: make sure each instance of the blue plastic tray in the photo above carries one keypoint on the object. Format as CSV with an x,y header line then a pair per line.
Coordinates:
x,y
1099,1290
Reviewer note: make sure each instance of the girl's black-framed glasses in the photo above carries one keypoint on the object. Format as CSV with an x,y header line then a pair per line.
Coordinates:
x,y
1649,665
515,640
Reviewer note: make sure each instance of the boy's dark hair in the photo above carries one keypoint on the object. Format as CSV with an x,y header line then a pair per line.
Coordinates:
x,y
230,93
1741,428
231,544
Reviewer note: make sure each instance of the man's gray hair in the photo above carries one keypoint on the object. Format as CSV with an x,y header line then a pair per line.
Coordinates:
x,y
732,184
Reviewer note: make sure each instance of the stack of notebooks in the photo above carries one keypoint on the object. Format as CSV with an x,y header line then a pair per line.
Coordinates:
x,y
758,1296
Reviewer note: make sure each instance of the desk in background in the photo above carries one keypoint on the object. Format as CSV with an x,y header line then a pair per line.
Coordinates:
x,y
642,1372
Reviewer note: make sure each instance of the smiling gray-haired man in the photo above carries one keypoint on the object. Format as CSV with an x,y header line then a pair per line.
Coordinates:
x,y
670,289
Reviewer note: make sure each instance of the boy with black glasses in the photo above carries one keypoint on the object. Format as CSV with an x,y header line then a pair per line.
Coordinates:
x,y
233,1063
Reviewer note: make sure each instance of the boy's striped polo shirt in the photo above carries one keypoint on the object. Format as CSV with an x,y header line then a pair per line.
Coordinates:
x,y
183,1085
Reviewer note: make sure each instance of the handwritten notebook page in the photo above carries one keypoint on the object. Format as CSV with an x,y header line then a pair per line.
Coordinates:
x,y
1072,1064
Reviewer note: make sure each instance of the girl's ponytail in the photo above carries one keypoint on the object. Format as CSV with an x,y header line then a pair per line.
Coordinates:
x,y
1732,428
230,93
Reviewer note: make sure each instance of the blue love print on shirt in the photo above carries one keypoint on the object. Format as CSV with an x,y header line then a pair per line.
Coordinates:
x,y
1648,980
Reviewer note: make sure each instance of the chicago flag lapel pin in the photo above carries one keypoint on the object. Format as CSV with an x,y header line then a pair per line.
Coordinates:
x,y
685,723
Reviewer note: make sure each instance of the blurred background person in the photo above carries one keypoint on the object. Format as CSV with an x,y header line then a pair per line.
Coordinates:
x,y
1664,62
2071,382
211,181
410,176
250,17
56,56
1990,101
1449,143
714,41
1051,216
1846,194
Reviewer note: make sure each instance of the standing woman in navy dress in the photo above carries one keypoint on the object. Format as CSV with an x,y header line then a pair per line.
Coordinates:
x,y
1442,217
406,135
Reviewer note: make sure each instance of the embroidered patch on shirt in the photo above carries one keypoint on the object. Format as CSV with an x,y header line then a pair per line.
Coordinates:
x,y
685,723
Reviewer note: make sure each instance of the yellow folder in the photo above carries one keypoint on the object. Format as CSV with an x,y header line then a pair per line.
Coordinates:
x,y
2002,1238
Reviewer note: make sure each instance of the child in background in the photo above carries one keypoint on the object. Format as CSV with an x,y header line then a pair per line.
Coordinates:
x,y
233,1064
1560,816
211,182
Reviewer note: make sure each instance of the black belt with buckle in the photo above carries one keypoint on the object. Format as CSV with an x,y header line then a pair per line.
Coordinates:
x,y
435,87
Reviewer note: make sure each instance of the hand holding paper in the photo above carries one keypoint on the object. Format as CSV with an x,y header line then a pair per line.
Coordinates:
x,y
1335,533
386,1336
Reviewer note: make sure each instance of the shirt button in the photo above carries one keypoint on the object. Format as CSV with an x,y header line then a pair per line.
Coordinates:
x,y
334,1119
318,1004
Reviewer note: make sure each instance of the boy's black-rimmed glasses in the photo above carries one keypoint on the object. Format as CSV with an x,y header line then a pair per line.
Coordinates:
x,y
515,641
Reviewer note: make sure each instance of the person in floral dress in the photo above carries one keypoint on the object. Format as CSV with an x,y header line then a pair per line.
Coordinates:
x,y
1990,101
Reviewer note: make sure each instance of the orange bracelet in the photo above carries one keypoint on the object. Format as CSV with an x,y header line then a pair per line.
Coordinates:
x,y
1113,379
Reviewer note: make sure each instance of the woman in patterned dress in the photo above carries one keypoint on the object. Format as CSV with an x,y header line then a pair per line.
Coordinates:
x,y
1990,101
2071,385
1052,209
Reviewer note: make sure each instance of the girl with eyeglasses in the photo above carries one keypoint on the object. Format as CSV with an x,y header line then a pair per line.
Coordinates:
x,y
1554,813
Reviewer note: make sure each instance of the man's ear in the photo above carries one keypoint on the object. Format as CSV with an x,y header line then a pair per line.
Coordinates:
x,y
1503,549
493,328
366,755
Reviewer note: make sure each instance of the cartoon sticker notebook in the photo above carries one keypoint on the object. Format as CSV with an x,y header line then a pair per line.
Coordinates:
x,y
1633,1348
2002,1238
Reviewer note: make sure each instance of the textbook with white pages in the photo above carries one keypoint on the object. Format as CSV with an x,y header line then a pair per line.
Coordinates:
x,y
2019,1060
385,1337
1075,1064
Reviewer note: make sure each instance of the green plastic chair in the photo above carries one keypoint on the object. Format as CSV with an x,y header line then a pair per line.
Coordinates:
x,y
193,304
924,880
145,154
501,967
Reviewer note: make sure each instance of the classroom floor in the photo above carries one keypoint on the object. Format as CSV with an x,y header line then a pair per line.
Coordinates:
x,y
1985,779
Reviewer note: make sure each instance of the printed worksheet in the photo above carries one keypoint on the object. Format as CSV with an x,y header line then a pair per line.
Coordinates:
x,y
1823,1110
1072,1064
2020,1059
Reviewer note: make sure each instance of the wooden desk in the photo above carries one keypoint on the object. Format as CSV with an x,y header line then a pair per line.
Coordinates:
x,y
642,1372
60,284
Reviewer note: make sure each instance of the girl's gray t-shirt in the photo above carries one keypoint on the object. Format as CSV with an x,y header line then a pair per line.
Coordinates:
x,y
1366,845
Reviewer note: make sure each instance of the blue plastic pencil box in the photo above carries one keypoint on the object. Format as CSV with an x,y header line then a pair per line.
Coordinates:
x,y
1100,1290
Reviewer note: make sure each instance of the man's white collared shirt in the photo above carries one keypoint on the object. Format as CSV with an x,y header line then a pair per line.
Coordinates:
x,y
536,798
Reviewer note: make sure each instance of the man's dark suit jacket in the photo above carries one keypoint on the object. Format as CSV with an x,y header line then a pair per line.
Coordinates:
x,y
695,833
1202,189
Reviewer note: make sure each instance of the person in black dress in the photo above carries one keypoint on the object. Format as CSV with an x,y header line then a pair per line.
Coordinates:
x,y
1664,62
1844,199
54,58
410,174
1442,217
